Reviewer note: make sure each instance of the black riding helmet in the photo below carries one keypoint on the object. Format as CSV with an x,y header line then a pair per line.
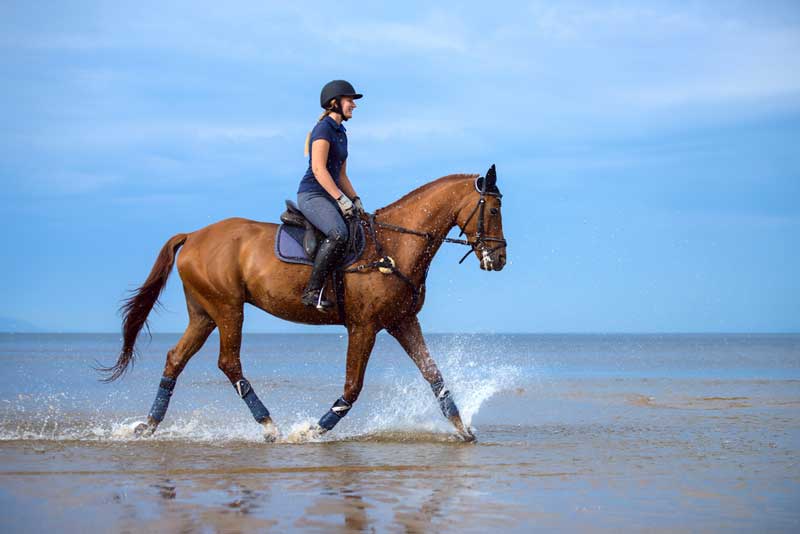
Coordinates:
x,y
337,89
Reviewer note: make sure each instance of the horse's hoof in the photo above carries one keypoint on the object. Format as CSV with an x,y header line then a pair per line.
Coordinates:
x,y
468,437
271,433
314,432
143,430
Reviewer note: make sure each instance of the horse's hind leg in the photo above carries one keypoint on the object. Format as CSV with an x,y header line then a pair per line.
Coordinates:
x,y
200,327
230,343
409,334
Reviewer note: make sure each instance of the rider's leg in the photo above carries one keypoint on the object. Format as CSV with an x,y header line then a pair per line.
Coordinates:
x,y
323,213
328,256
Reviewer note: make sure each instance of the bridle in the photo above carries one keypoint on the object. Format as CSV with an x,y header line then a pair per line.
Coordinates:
x,y
479,243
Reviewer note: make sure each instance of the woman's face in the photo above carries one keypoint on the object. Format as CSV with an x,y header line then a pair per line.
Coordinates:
x,y
348,105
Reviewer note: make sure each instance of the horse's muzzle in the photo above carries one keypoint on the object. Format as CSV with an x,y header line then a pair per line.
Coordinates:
x,y
492,261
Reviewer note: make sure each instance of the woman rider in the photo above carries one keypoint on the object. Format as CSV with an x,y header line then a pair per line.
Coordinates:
x,y
325,195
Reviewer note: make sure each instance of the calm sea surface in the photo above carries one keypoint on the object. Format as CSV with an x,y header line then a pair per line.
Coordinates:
x,y
597,433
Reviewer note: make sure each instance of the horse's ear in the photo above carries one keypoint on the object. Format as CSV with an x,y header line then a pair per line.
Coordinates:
x,y
488,184
491,178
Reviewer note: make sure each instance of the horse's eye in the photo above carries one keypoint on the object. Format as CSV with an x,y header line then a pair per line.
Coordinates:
x,y
494,211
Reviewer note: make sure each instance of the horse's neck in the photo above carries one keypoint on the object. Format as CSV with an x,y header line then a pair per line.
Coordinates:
x,y
430,210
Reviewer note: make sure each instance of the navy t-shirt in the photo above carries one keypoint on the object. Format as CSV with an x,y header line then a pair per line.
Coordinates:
x,y
336,135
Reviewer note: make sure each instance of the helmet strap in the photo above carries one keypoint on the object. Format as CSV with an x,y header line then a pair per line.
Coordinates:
x,y
337,108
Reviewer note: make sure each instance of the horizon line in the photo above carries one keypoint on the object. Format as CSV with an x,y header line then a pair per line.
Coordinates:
x,y
560,333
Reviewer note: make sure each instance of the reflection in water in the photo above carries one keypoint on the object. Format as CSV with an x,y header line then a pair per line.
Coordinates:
x,y
246,502
419,520
416,497
346,486
341,495
166,490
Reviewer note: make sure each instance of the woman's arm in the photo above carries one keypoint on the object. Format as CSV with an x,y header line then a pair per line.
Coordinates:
x,y
319,156
344,182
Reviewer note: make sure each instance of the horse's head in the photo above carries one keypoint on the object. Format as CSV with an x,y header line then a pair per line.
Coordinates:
x,y
481,222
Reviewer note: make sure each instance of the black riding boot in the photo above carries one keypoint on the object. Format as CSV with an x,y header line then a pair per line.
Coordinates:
x,y
328,254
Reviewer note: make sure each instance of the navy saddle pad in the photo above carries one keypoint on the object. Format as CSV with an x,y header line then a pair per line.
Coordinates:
x,y
289,245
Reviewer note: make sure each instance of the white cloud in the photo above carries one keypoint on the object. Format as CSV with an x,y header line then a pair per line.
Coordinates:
x,y
543,68
580,22
683,56
121,134
436,31
231,133
250,32
66,182
407,128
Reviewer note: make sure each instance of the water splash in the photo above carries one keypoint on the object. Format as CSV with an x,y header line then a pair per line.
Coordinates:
x,y
303,431
395,405
410,406
475,380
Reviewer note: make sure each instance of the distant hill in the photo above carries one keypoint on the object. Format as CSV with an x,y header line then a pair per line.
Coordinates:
x,y
10,325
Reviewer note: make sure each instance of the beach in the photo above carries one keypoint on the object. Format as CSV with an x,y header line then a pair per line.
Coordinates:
x,y
588,433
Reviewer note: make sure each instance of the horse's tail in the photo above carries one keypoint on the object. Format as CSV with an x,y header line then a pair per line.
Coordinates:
x,y
137,307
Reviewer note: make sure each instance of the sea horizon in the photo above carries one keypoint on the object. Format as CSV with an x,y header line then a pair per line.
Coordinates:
x,y
451,333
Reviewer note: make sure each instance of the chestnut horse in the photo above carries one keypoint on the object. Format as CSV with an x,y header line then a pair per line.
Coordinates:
x,y
232,262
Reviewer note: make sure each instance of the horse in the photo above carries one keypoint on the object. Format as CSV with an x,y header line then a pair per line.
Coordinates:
x,y
232,262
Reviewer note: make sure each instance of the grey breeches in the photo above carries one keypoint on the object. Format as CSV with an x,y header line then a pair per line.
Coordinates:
x,y
321,210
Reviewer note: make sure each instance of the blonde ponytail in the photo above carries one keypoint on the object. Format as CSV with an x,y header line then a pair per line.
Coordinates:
x,y
308,137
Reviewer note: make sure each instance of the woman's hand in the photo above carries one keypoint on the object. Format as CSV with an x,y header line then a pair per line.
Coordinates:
x,y
346,205
358,205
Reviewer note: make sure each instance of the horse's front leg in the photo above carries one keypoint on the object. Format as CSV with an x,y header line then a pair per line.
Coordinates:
x,y
409,334
360,341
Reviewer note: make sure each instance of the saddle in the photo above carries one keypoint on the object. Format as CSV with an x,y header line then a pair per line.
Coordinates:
x,y
297,239
311,237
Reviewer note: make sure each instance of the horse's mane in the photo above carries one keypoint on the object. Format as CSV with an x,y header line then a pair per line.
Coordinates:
x,y
450,178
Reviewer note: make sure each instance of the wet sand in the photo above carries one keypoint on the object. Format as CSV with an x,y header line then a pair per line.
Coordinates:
x,y
710,464
575,434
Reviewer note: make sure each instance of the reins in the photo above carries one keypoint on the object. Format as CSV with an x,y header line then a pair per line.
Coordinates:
x,y
387,265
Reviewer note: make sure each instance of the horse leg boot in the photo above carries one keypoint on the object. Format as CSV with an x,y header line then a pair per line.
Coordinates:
x,y
449,409
328,255
159,408
359,347
257,408
409,334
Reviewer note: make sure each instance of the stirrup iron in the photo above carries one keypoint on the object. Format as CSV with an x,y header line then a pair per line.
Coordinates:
x,y
319,306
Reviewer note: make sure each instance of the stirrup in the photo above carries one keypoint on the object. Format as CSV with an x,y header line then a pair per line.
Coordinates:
x,y
314,297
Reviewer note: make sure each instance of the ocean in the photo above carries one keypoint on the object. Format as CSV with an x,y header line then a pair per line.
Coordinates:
x,y
588,433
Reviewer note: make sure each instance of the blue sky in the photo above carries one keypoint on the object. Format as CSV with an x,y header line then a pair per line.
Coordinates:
x,y
648,152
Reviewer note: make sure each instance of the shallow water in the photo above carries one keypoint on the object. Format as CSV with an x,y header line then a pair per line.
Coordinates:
x,y
587,433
